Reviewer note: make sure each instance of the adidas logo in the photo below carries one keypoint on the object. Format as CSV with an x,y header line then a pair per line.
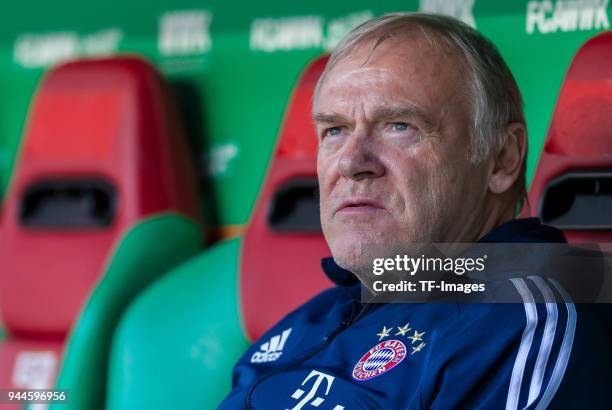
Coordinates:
x,y
271,350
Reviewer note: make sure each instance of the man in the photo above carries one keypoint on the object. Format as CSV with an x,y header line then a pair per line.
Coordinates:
x,y
422,139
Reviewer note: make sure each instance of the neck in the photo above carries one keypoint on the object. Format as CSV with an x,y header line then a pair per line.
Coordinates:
x,y
498,211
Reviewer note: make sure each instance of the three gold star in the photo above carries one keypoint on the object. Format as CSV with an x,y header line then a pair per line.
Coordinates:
x,y
384,333
418,348
416,337
401,331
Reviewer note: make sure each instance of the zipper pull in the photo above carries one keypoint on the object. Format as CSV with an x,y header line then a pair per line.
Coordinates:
x,y
333,334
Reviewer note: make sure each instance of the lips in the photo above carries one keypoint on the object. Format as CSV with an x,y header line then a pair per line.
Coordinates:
x,y
359,205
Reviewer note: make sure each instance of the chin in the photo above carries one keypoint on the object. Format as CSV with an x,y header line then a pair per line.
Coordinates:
x,y
356,254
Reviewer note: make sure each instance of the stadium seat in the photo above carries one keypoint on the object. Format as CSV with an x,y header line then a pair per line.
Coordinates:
x,y
572,186
202,315
102,201
283,244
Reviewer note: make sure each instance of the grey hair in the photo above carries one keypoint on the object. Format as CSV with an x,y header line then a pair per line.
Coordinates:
x,y
496,98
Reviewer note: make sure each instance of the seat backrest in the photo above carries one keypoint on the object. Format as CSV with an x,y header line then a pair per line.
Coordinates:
x,y
283,243
572,186
102,150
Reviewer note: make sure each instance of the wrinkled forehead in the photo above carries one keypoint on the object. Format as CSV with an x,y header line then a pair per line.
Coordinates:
x,y
412,43
375,83
416,66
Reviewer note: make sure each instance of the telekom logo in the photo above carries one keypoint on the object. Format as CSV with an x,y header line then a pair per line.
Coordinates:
x,y
310,398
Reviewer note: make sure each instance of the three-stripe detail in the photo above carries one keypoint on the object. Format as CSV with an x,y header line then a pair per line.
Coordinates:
x,y
545,347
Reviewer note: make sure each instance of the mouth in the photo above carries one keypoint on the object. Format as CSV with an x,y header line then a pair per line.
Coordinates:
x,y
359,206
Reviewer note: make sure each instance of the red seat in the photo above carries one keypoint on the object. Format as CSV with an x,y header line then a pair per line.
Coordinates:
x,y
283,243
103,149
572,187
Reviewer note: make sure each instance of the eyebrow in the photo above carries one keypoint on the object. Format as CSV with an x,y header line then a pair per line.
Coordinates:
x,y
385,112
329,118
390,113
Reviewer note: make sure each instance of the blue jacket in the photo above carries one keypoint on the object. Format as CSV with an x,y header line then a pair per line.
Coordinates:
x,y
335,353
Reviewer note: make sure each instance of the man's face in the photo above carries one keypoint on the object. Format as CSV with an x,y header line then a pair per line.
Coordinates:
x,y
393,161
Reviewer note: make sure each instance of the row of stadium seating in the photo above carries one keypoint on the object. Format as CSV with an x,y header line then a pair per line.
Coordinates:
x,y
101,240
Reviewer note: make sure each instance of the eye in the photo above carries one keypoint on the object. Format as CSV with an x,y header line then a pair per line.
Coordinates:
x,y
402,131
333,131
400,126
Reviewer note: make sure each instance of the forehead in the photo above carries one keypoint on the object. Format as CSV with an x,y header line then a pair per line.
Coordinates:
x,y
419,69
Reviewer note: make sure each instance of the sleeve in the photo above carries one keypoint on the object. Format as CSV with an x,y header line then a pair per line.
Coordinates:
x,y
523,356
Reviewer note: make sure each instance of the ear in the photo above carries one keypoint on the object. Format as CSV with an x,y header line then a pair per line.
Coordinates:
x,y
507,162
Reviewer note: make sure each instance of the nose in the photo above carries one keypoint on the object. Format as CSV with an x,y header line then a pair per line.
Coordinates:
x,y
359,160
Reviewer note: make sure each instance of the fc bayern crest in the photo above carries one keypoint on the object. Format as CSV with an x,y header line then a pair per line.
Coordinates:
x,y
379,359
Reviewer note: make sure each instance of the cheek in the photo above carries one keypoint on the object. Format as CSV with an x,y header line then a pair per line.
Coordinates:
x,y
452,190
326,178
420,178
427,189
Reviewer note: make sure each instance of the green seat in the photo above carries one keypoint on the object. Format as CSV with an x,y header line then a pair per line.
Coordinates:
x,y
177,342
147,251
